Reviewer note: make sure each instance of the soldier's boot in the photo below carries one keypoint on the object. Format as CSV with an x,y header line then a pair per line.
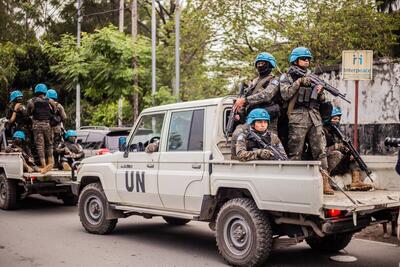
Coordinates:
x,y
357,184
325,183
66,166
46,169
50,161
42,162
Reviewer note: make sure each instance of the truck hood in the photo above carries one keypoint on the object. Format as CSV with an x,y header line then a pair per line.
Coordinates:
x,y
107,158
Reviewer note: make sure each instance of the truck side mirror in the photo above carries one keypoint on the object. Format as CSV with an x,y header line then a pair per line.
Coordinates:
x,y
122,143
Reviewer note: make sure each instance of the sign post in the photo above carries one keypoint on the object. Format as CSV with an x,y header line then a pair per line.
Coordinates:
x,y
356,66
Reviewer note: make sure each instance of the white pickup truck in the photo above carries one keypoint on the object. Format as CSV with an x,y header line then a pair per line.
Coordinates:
x,y
253,206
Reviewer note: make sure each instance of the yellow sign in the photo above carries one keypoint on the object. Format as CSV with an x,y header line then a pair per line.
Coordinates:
x,y
357,64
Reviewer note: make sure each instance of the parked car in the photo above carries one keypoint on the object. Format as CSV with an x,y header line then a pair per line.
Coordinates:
x,y
99,140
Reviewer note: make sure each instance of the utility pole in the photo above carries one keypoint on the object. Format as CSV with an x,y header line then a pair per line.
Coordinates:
x,y
177,44
78,86
121,29
153,49
134,20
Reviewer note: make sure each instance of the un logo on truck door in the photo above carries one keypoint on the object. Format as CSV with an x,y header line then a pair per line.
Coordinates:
x,y
134,179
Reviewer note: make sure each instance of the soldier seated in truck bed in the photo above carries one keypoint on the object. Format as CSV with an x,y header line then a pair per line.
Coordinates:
x,y
254,141
19,146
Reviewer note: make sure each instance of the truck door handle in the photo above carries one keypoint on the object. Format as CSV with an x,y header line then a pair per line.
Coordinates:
x,y
150,165
196,166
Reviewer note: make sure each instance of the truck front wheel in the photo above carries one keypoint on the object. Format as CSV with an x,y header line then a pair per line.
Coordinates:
x,y
331,243
93,206
243,233
8,193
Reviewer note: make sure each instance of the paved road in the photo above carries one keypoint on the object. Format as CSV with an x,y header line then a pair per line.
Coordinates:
x,y
45,233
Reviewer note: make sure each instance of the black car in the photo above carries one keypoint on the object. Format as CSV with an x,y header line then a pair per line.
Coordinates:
x,y
98,140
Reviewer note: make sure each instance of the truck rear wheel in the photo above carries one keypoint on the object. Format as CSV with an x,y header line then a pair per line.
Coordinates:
x,y
331,243
243,233
175,221
8,193
93,206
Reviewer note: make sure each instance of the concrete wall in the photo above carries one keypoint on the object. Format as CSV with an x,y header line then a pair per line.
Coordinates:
x,y
379,104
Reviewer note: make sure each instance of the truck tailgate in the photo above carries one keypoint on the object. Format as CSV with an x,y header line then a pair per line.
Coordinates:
x,y
55,176
364,201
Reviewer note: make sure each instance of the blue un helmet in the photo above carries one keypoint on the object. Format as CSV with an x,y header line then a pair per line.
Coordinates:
x,y
15,94
264,56
258,114
19,134
40,88
70,133
299,52
51,93
336,112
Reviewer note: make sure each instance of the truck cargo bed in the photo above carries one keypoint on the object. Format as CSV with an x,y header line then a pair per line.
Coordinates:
x,y
371,200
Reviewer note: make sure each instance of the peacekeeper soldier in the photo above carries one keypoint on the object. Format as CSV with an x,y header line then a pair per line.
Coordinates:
x,y
70,151
339,160
263,91
41,109
56,122
17,115
255,142
303,112
19,145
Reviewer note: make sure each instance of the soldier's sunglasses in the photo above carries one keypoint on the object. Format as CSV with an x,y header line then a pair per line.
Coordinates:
x,y
305,58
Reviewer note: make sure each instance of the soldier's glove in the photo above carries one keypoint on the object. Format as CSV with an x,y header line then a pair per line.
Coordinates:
x,y
264,154
341,147
305,81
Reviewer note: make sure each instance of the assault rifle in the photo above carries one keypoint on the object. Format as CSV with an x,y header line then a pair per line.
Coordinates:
x,y
275,152
352,151
230,126
315,80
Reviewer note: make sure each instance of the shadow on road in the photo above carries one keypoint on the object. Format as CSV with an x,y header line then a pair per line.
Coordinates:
x,y
187,238
44,204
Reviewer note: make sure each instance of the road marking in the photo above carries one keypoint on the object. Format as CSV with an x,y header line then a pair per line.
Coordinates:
x,y
377,242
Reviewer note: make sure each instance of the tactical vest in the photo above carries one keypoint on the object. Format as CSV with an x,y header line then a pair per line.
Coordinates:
x,y
273,108
253,145
22,120
304,96
73,147
41,110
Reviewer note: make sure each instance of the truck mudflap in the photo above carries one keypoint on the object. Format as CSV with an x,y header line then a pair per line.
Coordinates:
x,y
362,202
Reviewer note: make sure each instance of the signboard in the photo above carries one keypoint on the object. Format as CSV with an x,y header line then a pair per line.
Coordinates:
x,y
357,64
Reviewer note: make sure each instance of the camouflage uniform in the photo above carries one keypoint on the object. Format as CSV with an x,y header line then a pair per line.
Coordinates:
x,y
241,128
265,94
18,119
338,159
61,117
27,158
304,120
70,152
248,149
41,110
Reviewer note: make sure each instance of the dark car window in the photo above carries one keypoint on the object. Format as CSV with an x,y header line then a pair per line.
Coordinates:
x,y
186,131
